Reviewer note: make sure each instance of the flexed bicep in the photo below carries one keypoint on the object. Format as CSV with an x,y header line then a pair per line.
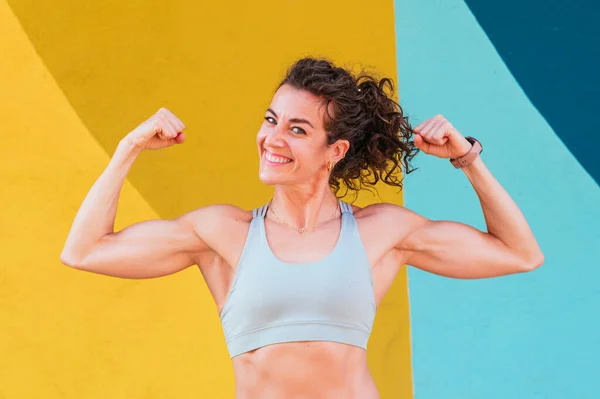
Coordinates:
x,y
457,250
148,249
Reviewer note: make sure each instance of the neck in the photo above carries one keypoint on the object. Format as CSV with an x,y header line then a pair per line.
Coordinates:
x,y
302,206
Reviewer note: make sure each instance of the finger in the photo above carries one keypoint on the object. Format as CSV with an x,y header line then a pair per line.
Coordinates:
x,y
167,119
422,144
435,134
429,130
176,140
439,133
419,127
423,127
179,124
180,138
175,121
159,128
170,128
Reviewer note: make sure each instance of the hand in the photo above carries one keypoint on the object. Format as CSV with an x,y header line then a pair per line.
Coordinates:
x,y
161,130
436,136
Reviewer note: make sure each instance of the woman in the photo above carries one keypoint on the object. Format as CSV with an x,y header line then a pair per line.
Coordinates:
x,y
298,280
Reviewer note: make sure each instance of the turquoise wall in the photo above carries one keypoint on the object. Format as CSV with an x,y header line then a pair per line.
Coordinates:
x,y
523,82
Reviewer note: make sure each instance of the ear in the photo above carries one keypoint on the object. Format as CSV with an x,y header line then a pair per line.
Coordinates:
x,y
338,150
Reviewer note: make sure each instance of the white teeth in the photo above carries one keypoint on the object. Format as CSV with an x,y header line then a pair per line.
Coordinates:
x,y
275,159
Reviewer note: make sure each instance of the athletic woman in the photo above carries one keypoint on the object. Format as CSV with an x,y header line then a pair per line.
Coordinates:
x,y
298,280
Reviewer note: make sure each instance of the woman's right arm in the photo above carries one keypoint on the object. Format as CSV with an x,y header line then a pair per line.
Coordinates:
x,y
147,249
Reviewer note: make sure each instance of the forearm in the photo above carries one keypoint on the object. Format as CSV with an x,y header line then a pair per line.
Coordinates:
x,y
503,218
96,215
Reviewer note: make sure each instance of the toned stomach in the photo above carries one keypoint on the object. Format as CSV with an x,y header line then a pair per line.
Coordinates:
x,y
302,370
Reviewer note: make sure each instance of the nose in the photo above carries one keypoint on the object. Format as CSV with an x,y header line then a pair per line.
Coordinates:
x,y
274,137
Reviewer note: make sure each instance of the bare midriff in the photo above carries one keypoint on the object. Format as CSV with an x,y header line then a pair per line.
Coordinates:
x,y
302,370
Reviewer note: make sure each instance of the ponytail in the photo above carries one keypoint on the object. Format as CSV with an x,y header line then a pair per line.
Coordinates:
x,y
365,114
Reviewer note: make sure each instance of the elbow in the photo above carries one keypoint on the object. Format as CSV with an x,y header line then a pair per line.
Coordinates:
x,y
532,262
68,260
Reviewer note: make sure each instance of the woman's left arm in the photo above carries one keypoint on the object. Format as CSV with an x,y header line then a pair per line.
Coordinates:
x,y
457,250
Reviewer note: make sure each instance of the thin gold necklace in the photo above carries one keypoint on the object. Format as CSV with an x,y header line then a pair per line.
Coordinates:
x,y
304,228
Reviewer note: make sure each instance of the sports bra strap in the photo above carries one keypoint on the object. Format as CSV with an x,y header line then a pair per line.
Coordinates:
x,y
346,208
262,211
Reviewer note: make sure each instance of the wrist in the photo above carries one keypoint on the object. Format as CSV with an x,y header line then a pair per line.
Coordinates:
x,y
128,148
125,155
473,152
474,165
477,173
465,148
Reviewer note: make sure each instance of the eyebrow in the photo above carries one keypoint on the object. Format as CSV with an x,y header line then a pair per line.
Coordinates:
x,y
294,120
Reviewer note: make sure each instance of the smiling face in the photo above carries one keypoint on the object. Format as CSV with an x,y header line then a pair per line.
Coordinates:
x,y
292,142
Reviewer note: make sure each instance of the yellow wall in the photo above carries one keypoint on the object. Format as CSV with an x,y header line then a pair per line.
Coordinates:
x,y
76,76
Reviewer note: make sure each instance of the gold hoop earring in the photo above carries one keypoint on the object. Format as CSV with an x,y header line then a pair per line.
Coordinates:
x,y
329,166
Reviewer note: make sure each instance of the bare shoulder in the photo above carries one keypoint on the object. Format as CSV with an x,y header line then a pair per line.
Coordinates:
x,y
218,213
223,227
387,222
387,213
217,219
386,227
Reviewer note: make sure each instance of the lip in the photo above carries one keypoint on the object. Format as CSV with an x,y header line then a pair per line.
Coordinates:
x,y
264,157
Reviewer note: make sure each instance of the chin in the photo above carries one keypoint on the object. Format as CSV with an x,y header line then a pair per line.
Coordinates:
x,y
270,179
272,176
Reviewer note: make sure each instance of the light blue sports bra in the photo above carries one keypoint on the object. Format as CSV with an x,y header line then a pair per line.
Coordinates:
x,y
271,301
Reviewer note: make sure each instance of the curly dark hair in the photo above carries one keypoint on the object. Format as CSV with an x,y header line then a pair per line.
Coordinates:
x,y
380,136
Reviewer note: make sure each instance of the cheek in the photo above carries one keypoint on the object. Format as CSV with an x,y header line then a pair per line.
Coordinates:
x,y
260,137
310,158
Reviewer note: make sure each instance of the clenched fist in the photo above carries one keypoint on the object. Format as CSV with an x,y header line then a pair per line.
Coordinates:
x,y
161,130
437,136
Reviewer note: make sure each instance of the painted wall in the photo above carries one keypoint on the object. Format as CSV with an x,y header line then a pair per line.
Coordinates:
x,y
75,78
523,78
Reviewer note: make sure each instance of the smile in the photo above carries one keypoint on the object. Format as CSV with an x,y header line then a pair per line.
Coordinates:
x,y
276,159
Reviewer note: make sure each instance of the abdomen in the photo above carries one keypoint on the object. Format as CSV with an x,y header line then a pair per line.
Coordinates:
x,y
299,370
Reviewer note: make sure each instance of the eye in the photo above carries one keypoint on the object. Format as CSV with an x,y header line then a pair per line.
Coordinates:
x,y
272,121
300,130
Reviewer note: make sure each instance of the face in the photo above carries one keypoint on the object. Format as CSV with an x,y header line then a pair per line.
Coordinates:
x,y
292,143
